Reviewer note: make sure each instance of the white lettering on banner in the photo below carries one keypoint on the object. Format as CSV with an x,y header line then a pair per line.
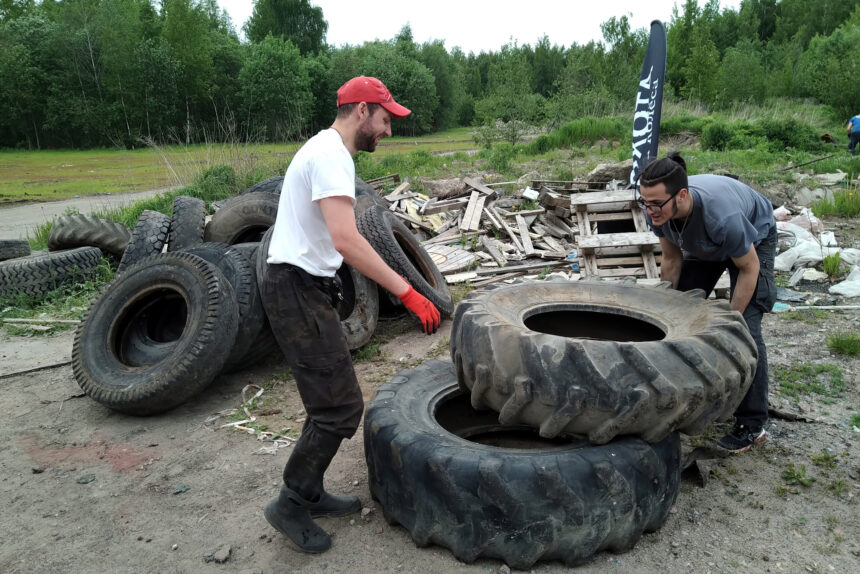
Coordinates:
x,y
643,120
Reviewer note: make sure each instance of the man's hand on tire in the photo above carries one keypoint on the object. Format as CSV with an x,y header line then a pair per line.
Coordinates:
x,y
427,313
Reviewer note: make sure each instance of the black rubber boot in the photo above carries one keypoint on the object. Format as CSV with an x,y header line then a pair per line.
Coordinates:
x,y
289,514
304,472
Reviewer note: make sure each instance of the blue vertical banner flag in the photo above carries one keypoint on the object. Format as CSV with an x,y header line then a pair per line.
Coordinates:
x,y
649,100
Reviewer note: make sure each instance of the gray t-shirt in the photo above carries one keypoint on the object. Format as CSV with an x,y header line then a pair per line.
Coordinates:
x,y
727,217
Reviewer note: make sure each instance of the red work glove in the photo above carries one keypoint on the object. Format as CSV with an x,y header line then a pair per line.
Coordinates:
x,y
427,313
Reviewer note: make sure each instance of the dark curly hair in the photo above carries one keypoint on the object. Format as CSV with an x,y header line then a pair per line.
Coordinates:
x,y
670,170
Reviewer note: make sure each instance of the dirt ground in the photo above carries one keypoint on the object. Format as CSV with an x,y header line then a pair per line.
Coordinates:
x,y
89,490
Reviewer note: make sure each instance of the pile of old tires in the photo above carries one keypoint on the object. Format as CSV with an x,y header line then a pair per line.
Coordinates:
x,y
553,433
185,304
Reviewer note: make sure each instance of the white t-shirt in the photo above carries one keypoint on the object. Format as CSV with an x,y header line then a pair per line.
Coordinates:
x,y
321,168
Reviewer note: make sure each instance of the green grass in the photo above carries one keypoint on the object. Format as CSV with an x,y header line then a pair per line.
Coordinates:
x,y
808,316
62,174
845,203
832,264
825,380
797,476
844,343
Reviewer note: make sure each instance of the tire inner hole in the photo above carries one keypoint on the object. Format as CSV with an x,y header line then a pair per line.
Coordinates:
x,y
456,415
593,325
150,326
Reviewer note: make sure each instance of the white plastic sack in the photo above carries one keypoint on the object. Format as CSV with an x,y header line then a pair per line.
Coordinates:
x,y
784,228
850,287
807,220
811,252
781,213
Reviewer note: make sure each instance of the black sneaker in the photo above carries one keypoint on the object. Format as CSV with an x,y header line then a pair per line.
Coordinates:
x,y
742,438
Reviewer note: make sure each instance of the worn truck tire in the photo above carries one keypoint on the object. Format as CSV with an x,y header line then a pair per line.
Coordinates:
x,y
271,185
360,307
180,286
13,248
402,252
243,219
242,277
147,239
187,223
602,360
36,275
455,477
70,231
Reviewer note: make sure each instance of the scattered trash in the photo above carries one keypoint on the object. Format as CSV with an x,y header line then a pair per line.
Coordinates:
x,y
86,478
780,307
181,489
783,294
850,287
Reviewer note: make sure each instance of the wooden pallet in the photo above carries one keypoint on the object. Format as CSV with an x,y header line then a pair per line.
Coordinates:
x,y
614,254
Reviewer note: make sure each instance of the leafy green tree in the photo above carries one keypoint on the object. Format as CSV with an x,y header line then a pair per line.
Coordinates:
x,y
547,64
508,95
276,91
741,74
829,69
701,68
295,20
448,87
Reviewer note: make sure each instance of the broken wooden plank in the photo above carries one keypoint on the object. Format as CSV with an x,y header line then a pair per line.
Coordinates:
x,y
508,230
617,240
580,200
42,321
436,206
475,184
622,216
460,277
400,189
399,196
450,259
413,221
491,246
469,215
560,223
528,248
526,267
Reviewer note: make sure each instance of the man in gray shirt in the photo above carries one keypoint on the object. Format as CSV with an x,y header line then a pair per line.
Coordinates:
x,y
707,224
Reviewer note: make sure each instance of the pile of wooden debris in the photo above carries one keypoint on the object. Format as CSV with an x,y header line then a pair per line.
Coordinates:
x,y
476,234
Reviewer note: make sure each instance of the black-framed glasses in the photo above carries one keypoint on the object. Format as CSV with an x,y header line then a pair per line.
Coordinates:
x,y
652,207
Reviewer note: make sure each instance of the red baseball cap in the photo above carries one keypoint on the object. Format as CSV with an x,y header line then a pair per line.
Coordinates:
x,y
372,91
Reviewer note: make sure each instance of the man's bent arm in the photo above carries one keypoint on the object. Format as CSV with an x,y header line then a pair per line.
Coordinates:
x,y
670,265
748,268
356,251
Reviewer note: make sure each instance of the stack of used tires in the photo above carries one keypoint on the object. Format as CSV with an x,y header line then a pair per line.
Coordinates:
x,y
553,434
185,304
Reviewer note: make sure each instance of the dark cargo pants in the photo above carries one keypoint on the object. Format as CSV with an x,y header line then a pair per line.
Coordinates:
x,y
699,274
307,327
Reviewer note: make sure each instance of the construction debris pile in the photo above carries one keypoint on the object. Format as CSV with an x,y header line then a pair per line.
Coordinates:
x,y
589,228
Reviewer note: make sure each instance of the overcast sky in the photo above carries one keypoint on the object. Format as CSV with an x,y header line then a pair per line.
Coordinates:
x,y
476,25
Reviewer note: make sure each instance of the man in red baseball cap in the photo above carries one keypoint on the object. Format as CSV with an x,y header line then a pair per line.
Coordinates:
x,y
314,233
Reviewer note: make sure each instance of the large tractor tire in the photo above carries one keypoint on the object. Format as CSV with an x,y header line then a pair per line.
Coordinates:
x,y
271,185
602,360
457,478
70,231
178,300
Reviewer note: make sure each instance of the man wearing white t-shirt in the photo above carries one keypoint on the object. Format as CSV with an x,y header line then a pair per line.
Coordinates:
x,y
314,233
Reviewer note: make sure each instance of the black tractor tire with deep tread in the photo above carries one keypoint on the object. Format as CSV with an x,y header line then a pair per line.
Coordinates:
x,y
243,219
180,285
402,252
242,277
493,496
38,274
271,185
70,231
147,239
602,360
13,249
187,223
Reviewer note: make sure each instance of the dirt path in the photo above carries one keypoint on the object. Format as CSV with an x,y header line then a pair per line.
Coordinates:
x,y
17,220
86,489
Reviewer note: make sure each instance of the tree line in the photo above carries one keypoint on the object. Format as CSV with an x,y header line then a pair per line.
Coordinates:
x,y
85,73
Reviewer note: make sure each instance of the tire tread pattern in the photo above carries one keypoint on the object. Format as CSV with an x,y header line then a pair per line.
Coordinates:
x,y
13,249
147,239
187,223
38,274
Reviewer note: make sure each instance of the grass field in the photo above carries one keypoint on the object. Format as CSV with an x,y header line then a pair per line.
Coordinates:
x,y
49,175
